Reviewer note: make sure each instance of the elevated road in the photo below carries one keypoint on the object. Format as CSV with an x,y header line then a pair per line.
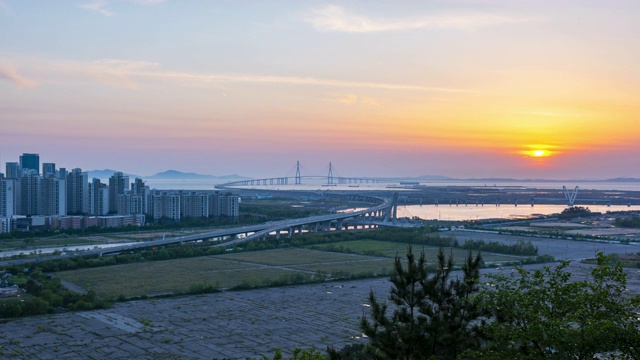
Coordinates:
x,y
384,213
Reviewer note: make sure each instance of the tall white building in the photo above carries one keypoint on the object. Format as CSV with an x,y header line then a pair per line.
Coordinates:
x,y
7,197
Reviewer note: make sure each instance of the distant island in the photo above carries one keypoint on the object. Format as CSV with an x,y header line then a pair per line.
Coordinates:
x,y
165,175
174,174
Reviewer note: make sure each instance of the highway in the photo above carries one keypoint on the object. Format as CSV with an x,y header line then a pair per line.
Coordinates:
x,y
250,231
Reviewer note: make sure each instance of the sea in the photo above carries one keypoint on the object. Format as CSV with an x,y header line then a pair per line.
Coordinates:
x,y
322,185
451,212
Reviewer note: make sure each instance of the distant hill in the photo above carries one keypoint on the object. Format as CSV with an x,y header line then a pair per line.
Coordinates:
x,y
107,173
623,180
174,174
433,178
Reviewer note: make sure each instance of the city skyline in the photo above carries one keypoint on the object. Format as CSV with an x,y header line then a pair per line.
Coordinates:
x,y
464,89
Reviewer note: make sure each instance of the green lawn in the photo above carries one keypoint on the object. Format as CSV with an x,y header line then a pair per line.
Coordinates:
x,y
223,271
281,257
255,268
391,249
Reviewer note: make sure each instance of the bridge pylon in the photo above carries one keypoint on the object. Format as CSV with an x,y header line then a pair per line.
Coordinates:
x,y
391,213
298,177
330,175
571,198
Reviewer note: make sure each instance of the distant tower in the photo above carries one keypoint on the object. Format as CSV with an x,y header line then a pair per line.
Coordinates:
x,y
48,169
30,161
13,170
298,177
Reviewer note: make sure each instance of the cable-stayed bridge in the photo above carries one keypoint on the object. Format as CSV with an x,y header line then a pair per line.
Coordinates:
x,y
299,179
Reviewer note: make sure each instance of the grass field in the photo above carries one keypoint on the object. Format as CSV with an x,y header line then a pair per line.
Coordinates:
x,y
223,271
256,268
391,249
374,266
284,257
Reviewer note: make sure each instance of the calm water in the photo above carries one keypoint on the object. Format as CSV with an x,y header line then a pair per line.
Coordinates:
x,y
307,185
444,211
472,212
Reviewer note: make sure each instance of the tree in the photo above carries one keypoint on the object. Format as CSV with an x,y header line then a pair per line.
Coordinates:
x,y
543,314
433,315
574,212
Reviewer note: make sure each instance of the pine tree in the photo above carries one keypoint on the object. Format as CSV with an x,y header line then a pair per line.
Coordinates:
x,y
433,315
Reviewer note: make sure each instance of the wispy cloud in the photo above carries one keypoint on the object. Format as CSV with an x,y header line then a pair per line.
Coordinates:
x,y
336,19
99,6
137,74
352,99
4,8
287,80
149,2
9,72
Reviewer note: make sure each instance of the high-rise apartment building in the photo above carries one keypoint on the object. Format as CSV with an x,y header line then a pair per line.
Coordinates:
x,y
118,183
194,204
48,169
166,205
129,203
62,173
30,161
7,197
77,192
226,204
12,170
30,193
54,196
98,198
138,187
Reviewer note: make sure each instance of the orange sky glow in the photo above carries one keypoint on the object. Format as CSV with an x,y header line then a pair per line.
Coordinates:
x,y
533,89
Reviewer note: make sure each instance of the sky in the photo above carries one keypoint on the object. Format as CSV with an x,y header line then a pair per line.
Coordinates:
x,y
540,89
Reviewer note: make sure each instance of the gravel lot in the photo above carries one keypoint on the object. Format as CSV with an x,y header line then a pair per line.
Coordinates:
x,y
235,325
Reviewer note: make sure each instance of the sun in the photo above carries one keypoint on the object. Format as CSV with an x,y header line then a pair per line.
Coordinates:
x,y
539,153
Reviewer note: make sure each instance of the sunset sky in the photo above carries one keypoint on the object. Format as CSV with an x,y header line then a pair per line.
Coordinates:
x,y
523,89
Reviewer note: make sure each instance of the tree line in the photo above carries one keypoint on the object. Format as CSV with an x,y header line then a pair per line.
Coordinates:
x,y
539,314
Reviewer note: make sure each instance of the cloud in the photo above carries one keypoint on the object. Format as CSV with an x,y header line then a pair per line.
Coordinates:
x,y
149,2
120,73
286,80
97,5
332,18
9,72
135,74
4,8
351,99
